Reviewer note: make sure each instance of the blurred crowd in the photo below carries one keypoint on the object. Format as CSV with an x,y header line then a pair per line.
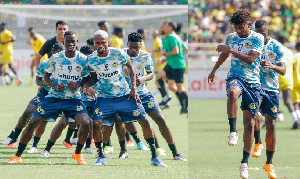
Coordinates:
x,y
97,2
208,19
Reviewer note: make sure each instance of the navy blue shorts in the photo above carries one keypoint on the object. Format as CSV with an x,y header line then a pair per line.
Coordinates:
x,y
270,103
106,109
149,103
90,107
250,93
39,97
52,107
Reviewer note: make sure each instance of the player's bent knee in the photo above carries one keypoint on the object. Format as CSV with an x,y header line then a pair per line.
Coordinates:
x,y
233,94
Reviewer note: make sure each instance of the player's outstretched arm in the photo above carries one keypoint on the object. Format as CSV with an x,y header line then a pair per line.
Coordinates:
x,y
212,76
279,67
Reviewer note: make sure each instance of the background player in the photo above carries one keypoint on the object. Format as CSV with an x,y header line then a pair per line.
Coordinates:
x,y
6,50
36,41
61,28
286,82
272,64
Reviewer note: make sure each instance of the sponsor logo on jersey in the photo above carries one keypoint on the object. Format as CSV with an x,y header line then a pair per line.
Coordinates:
x,y
37,99
274,109
252,106
115,64
150,105
248,44
68,77
78,68
136,112
105,75
139,67
79,108
40,110
271,54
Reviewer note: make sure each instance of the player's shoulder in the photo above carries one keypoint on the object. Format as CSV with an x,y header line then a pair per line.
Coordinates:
x,y
256,36
115,51
51,41
232,37
58,55
275,45
81,55
275,42
144,54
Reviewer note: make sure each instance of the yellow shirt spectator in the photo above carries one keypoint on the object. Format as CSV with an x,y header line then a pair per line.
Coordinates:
x,y
296,71
143,47
37,45
6,36
116,42
286,81
157,44
6,49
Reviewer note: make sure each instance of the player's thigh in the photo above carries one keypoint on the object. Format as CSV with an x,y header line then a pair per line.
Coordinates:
x,y
82,118
161,75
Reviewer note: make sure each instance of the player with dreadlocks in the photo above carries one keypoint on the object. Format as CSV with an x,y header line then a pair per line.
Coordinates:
x,y
245,47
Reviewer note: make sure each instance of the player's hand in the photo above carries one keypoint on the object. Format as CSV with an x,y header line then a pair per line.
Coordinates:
x,y
60,87
72,85
139,80
161,53
223,48
133,94
211,77
87,91
28,42
266,64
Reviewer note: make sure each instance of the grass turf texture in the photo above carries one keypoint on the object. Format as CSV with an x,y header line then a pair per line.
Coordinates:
x,y
60,164
211,157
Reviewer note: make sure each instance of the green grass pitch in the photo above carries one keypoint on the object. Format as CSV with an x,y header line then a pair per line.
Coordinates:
x,y
211,157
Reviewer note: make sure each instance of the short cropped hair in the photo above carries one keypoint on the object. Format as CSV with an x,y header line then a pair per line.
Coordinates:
x,y
173,25
69,33
101,33
86,50
61,23
135,37
261,23
117,30
58,47
101,23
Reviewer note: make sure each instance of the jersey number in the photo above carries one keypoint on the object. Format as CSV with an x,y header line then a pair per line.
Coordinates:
x,y
240,46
